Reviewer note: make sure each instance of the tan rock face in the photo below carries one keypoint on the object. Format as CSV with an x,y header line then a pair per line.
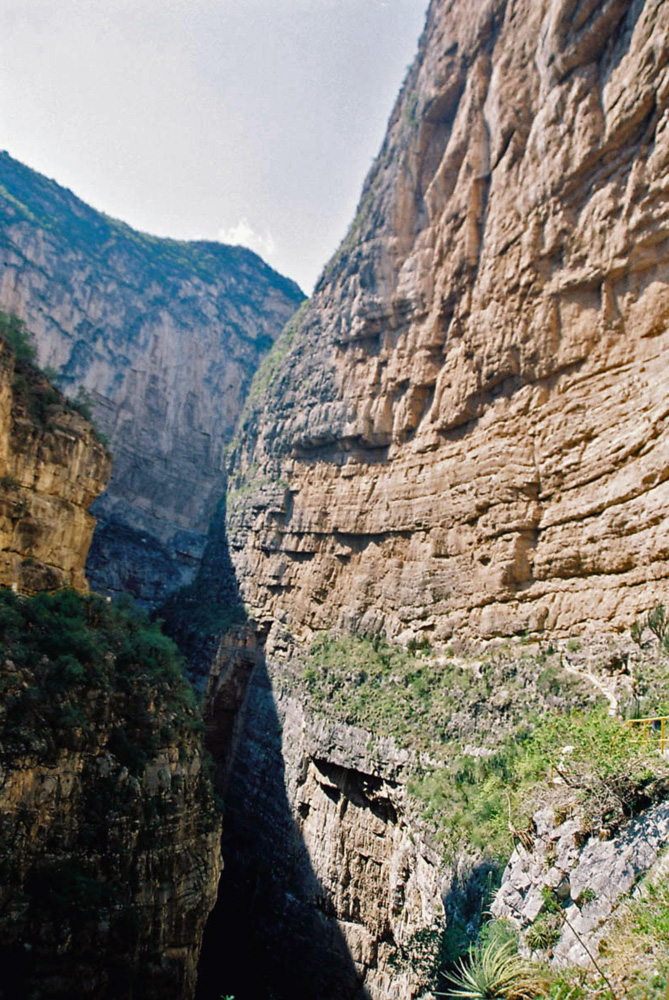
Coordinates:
x,y
52,466
165,336
469,430
383,883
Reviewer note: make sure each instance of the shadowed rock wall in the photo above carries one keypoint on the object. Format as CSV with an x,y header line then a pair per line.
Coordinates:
x,y
326,886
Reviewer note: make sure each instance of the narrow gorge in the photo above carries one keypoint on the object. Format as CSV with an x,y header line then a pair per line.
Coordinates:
x,y
163,338
464,439
424,598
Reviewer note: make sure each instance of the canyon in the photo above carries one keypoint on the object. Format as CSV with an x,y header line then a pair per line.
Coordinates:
x,y
163,338
464,438
446,507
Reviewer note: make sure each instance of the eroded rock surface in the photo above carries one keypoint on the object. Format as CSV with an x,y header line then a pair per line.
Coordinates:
x,y
591,876
165,336
110,842
328,889
468,432
109,837
52,466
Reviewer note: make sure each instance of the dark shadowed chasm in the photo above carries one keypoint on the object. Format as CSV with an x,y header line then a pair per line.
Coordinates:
x,y
273,933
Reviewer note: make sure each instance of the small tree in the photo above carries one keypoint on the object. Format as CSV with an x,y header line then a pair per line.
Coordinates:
x,y
13,331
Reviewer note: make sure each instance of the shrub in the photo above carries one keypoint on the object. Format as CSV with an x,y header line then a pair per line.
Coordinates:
x,y
657,621
495,970
83,403
612,771
70,663
13,331
544,932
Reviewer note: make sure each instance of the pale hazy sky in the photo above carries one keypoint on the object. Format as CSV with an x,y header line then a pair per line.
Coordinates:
x,y
249,121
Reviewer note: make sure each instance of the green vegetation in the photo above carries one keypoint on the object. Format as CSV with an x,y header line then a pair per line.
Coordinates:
x,y
83,403
657,622
490,733
95,714
544,932
19,206
488,801
410,110
33,389
495,970
632,960
71,664
44,203
520,711
383,687
269,369
636,949
269,366
13,331
433,704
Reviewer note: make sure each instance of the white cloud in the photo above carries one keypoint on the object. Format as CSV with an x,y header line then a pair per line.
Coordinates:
x,y
243,234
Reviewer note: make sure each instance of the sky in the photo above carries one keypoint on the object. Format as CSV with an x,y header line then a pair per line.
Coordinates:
x,y
244,121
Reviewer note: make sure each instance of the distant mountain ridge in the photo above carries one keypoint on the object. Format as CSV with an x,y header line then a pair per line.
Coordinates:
x,y
165,337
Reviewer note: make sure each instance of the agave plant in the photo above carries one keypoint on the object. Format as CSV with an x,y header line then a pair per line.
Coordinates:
x,y
496,972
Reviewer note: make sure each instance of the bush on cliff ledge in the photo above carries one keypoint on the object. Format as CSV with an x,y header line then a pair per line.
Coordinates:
x,y
71,665
108,827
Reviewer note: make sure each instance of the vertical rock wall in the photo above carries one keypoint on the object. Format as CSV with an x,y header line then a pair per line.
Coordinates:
x,y
328,884
109,837
468,432
52,466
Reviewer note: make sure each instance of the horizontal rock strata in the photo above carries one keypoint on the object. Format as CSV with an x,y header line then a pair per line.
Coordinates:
x,y
468,432
328,889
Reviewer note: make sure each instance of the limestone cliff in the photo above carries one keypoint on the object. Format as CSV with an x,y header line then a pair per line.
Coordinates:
x,y
468,430
328,889
464,434
109,839
52,466
165,337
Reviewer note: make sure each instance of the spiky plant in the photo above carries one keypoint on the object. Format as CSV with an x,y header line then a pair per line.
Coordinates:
x,y
496,972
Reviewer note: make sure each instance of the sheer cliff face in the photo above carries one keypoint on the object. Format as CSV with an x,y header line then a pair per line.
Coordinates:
x,y
52,466
328,887
109,838
468,431
165,336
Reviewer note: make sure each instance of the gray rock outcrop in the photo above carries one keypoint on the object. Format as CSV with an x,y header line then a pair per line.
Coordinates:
x,y
591,879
